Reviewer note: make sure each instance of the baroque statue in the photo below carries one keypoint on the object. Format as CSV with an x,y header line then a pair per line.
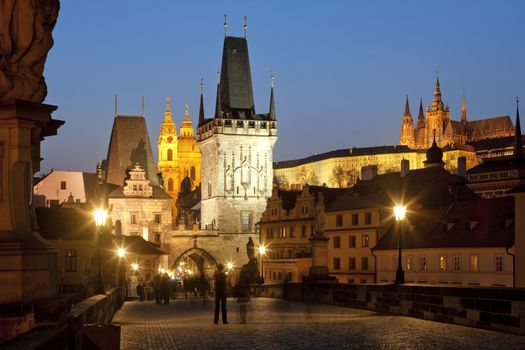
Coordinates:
x,y
25,40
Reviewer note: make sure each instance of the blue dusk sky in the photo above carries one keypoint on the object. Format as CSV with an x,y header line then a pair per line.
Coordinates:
x,y
342,68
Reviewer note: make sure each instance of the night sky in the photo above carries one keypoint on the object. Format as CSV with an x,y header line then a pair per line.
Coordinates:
x,y
342,68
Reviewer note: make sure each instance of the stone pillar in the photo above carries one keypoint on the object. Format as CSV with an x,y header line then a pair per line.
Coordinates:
x,y
28,265
319,268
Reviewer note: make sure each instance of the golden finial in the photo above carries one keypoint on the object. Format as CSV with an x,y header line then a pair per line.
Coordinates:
x,y
186,113
245,27
167,103
225,24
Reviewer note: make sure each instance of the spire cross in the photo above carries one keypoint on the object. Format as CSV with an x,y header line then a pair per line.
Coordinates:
x,y
245,27
225,24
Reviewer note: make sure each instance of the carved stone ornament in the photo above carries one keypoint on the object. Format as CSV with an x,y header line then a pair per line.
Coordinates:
x,y
25,40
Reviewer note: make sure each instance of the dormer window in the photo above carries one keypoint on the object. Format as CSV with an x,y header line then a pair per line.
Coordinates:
x,y
447,226
471,224
507,222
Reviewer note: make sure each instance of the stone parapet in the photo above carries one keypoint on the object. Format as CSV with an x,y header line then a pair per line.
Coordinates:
x,y
500,309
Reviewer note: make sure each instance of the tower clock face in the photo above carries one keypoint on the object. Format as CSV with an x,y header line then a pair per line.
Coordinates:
x,y
170,139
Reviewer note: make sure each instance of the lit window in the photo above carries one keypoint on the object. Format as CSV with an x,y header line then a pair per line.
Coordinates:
x,y
410,263
474,263
157,238
364,241
246,220
158,218
442,263
133,220
423,263
62,185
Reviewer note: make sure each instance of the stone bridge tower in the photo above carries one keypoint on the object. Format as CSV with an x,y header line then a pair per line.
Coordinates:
x,y
237,148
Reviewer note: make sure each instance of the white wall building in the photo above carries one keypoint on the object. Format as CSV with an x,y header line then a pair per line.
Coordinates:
x,y
58,186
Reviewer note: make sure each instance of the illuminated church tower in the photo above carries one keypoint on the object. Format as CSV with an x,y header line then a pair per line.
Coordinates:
x,y
237,148
168,162
188,154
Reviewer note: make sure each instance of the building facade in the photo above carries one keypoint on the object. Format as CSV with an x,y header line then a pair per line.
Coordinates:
x,y
63,186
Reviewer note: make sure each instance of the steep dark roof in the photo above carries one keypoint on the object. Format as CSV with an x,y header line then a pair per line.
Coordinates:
x,y
350,201
496,165
137,245
90,184
236,93
450,226
129,144
494,143
484,127
189,200
347,152
65,223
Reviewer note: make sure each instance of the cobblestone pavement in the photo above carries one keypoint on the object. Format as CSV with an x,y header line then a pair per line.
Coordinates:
x,y
277,324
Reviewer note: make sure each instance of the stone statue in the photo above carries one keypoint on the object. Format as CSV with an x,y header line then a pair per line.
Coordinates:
x,y
250,249
319,215
25,39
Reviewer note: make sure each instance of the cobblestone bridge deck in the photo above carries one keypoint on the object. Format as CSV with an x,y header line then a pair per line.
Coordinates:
x,y
277,324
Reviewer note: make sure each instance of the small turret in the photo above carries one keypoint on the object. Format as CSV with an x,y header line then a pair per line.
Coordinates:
x,y
271,114
463,111
434,155
518,143
201,107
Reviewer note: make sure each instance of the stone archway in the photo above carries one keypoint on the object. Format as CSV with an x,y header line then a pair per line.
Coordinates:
x,y
201,266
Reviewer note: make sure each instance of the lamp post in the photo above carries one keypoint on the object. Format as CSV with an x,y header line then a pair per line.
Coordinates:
x,y
100,216
262,251
399,212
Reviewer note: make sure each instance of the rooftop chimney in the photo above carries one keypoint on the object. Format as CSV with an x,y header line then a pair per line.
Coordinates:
x,y
405,167
462,167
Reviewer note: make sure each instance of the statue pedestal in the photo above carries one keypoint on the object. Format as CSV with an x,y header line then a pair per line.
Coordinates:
x,y
319,268
28,263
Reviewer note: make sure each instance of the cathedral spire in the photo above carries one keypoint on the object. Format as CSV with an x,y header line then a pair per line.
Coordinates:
x,y
272,103
407,108
218,113
421,115
464,109
518,143
201,106
437,104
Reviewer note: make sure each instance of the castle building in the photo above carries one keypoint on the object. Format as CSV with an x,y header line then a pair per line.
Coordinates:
x,y
237,148
179,156
448,132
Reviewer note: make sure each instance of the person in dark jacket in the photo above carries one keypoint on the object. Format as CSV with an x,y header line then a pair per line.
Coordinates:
x,y
140,291
157,286
166,287
243,292
220,294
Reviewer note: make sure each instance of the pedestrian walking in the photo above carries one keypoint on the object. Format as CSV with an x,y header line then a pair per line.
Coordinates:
x,y
166,288
242,290
157,286
140,291
220,294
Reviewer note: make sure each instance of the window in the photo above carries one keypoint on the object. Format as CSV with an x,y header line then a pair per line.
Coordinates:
x,y
192,173
303,231
157,237
364,263
457,263
474,263
209,189
337,242
499,263
70,261
246,220
423,263
442,263
351,263
337,263
158,218
355,219
170,185
410,263
170,155
351,242
364,241
292,232
368,218
133,219
339,220
62,185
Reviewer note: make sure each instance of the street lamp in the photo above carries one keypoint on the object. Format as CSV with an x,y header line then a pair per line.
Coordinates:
x,y
262,251
121,253
100,216
399,213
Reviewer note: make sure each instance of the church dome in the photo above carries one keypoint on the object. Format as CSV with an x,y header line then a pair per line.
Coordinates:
x,y
434,155
188,145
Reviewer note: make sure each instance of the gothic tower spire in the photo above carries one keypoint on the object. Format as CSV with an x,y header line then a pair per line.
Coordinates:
x,y
421,115
407,108
437,104
518,143
407,128
272,103
201,107
463,110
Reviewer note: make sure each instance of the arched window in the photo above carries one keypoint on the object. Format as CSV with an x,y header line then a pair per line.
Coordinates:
x,y
192,173
170,155
170,185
